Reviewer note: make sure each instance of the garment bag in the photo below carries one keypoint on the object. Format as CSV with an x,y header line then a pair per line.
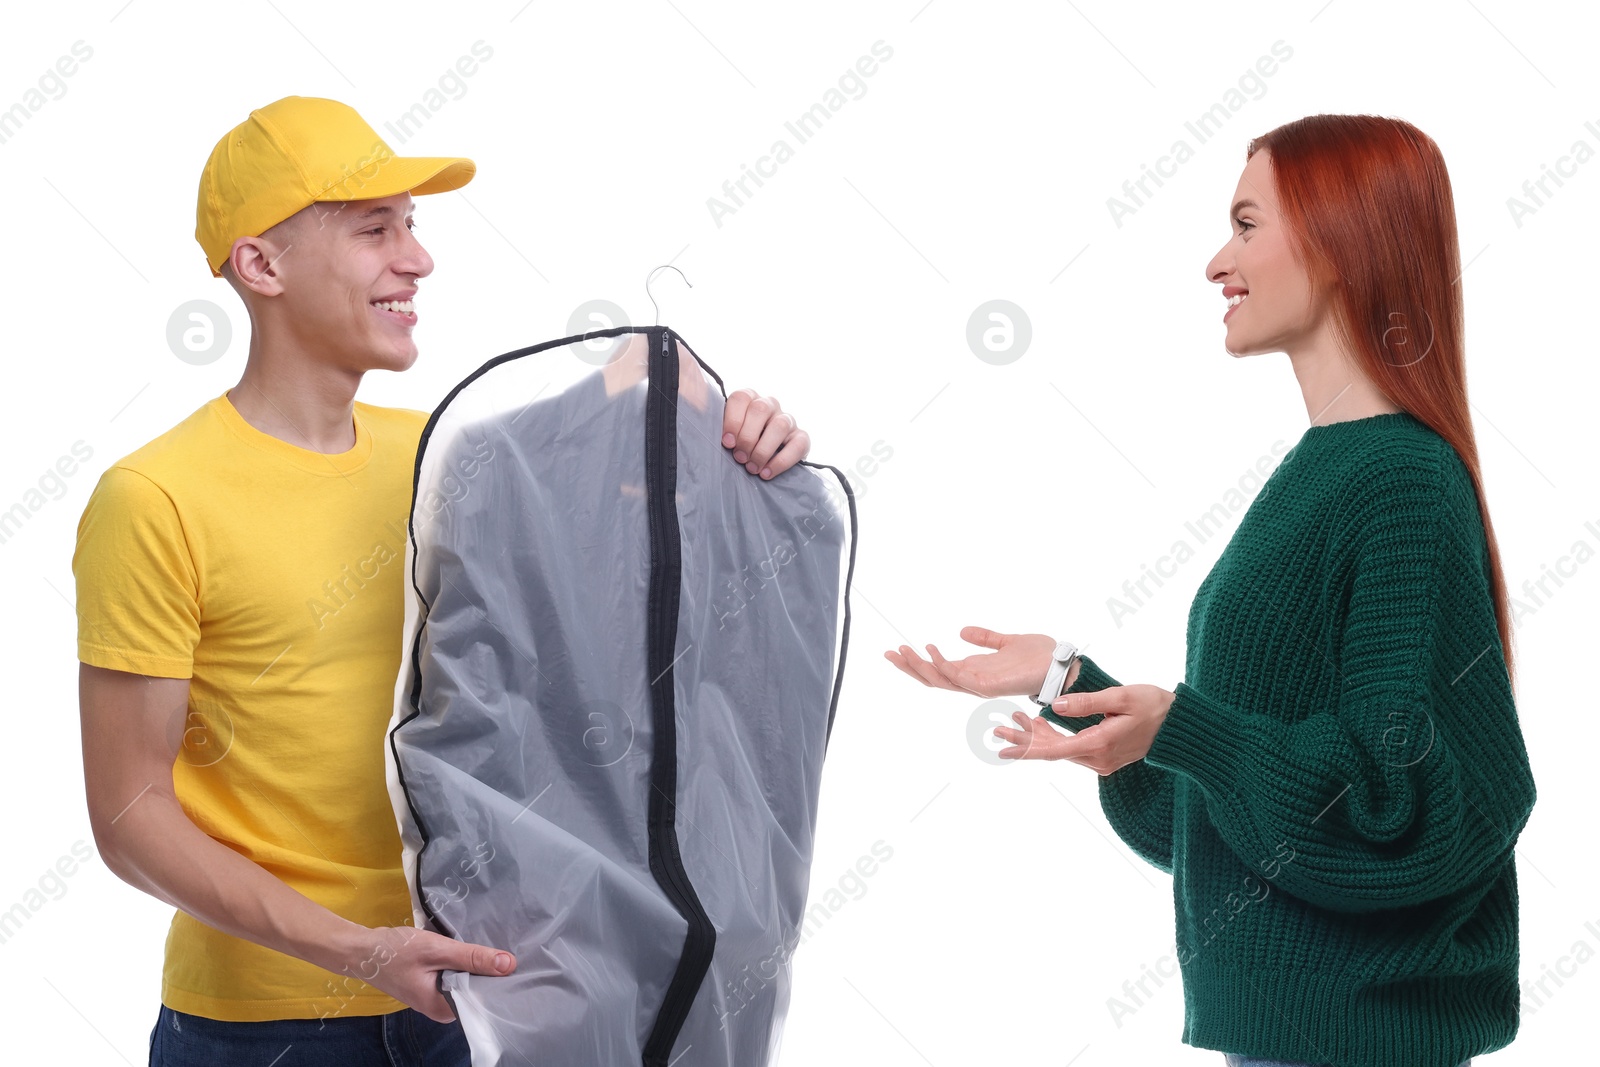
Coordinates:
x,y
622,660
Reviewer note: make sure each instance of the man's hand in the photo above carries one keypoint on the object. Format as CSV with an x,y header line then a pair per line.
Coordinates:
x,y
764,437
405,962
1133,717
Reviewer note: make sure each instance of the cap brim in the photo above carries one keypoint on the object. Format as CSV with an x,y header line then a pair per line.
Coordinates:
x,y
417,175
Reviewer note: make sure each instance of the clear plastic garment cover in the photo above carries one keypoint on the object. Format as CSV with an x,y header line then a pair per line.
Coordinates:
x,y
622,659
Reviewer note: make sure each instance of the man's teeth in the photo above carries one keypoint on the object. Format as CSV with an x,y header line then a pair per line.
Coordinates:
x,y
404,306
1236,299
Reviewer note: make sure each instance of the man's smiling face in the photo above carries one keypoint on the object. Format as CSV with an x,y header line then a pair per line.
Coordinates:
x,y
345,275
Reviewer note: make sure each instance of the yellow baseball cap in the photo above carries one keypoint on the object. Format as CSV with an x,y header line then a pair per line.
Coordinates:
x,y
299,151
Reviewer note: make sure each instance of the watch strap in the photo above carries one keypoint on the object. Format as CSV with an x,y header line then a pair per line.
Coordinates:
x,y
1055,679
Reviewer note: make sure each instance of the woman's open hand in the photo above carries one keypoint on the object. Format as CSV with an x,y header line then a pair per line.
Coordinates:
x,y
1133,716
1016,668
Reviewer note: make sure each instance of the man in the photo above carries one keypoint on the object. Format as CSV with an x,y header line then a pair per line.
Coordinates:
x,y
240,612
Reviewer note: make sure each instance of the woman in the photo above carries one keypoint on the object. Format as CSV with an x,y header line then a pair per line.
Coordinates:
x,y
1337,785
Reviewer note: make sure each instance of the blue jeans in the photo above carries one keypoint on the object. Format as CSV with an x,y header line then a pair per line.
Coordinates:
x,y
405,1038
1235,1060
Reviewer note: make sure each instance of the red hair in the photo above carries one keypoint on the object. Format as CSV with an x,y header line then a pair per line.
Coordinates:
x,y
1370,215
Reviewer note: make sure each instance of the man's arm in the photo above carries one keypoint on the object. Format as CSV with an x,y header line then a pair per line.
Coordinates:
x,y
133,726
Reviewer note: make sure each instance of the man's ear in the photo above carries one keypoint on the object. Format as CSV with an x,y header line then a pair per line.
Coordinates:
x,y
257,264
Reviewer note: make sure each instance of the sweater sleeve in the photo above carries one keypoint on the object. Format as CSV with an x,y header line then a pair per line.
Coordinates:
x,y
1137,798
1413,782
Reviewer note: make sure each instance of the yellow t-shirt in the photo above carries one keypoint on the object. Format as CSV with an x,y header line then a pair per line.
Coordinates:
x,y
271,576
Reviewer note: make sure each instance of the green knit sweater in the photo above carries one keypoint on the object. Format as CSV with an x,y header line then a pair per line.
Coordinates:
x,y
1340,780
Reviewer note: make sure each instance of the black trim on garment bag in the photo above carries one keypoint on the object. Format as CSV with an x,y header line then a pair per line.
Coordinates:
x,y
849,574
666,574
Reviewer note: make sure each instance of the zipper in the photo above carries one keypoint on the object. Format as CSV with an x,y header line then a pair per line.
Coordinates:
x,y
666,861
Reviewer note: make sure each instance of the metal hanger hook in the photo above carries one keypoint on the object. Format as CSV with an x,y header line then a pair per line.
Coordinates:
x,y
652,276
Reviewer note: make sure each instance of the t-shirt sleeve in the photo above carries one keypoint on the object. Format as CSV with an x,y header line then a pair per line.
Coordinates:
x,y
1413,782
1138,798
137,585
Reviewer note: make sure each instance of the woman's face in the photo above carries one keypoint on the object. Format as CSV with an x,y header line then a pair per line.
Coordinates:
x,y
1280,312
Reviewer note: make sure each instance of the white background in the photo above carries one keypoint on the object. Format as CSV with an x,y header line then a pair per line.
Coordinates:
x,y
977,165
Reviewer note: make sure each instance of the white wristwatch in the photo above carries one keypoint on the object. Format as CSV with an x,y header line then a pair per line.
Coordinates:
x,y
1055,679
